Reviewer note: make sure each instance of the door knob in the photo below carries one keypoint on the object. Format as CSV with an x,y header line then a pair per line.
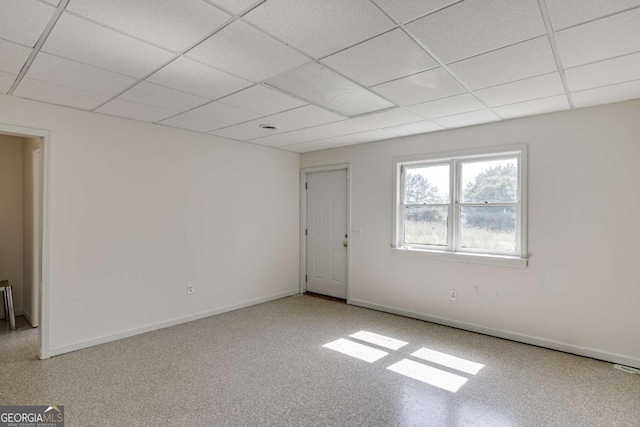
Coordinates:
x,y
344,244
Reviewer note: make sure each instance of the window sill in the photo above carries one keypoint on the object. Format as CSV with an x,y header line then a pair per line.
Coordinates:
x,y
500,260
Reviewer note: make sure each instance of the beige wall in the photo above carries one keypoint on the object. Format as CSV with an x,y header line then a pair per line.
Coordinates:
x,y
582,287
31,212
11,215
138,211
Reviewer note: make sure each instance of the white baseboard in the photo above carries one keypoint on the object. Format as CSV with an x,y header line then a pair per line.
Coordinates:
x,y
56,351
513,336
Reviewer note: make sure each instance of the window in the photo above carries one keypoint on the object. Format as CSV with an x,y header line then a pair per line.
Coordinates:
x,y
469,204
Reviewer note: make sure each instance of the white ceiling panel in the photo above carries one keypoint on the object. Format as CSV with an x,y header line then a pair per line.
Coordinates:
x,y
322,86
345,127
608,94
223,113
244,51
13,56
374,135
54,94
528,59
611,71
531,108
162,97
77,39
238,132
408,10
395,117
64,72
415,128
523,90
53,2
362,63
473,27
262,100
567,13
192,122
281,126
606,38
305,147
22,21
295,137
235,6
309,115
467,119
6,81
131,110
320,28
432,84
174,25
192,77
448,106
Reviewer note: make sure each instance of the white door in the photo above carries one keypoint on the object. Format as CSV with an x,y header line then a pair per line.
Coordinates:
x,y
327,233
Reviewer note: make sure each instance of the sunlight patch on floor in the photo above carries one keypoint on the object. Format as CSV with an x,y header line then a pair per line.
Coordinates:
x,y
427,374
381,340
356,350
448,360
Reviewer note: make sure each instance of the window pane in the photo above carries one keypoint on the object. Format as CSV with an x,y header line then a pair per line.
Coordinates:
x,y
490,181
426,225
428,184
489,227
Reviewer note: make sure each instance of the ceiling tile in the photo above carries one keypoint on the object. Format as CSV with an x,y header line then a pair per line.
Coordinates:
x,y
281,126
467,119
523,90
167,23
6,81
77,39
64,72
238,132
320,28
244,51
130,110
192,77
611,71
608,37
60,95
473,27
223,113
448,106
305,147
260,99
402,56
344,127
192,122
607,94
395,117
22,21
309,115
53,2
374,135
567,13
528,59
415,128
408,10
235,6
159,96
322,86
295,137
531,108
13,56
432,84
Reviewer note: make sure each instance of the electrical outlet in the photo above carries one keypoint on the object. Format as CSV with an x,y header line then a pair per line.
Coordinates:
x,y
190,289
453,294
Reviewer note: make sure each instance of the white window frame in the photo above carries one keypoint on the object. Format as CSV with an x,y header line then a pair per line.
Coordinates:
x,y
453,251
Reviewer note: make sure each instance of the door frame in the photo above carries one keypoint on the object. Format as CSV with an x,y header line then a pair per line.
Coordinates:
x,y
44,333
303,221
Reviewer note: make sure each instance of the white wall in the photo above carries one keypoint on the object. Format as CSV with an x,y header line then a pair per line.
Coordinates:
x,y
11,216
582,286
138,211
32,168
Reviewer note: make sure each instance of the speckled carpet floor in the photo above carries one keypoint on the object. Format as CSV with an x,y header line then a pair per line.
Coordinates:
x,y
266,365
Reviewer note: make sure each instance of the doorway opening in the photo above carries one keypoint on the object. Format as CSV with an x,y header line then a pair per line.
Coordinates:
x,y
325,225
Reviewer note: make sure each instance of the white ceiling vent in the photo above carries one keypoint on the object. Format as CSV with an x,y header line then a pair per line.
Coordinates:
x,y
324,87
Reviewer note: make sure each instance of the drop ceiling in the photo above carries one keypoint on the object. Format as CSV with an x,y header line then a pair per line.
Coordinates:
x,y
325,73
